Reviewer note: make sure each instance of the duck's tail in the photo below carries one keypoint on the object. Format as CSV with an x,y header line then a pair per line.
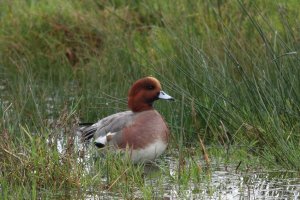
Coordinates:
x,y
86,131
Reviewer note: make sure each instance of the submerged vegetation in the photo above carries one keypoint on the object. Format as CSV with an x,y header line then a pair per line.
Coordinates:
x,y
233,67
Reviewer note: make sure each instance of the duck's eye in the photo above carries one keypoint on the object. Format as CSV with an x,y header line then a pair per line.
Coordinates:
x,y
149,87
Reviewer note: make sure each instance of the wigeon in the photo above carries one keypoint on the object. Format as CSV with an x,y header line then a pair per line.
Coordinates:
x,y
141,131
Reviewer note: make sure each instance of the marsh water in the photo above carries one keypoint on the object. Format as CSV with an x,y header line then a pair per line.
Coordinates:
x,y
220,181
225,182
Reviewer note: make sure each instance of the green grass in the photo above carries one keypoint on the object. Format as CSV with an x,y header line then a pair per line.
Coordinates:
x,y
233,67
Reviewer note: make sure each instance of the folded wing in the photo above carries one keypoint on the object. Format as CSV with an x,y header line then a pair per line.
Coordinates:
x,y
111,124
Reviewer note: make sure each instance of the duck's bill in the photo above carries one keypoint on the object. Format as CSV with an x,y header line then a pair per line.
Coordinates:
x,y
165,96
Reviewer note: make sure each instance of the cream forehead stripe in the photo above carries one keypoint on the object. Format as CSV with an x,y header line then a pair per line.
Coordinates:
x,y
155,80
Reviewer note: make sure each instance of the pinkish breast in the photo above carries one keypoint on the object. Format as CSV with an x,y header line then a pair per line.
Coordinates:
x,y
146,128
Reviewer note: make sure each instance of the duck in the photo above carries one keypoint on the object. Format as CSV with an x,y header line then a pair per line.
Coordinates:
x,y
140,131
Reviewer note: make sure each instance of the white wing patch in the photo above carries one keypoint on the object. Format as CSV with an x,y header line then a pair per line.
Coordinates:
x,y
104,139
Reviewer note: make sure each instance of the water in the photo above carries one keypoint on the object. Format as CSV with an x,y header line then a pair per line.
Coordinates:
x,y
220,182
224,182
227,184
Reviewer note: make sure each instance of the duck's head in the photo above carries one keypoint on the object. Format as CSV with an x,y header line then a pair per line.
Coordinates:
x,y
144,92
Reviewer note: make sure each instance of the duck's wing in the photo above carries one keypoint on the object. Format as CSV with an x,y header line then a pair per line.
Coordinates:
x,y
111,124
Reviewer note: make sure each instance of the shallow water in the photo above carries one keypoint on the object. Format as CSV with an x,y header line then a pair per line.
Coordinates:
x,y
220,182
225,183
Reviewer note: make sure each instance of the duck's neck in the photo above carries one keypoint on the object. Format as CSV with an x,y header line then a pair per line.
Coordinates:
x,y
139,107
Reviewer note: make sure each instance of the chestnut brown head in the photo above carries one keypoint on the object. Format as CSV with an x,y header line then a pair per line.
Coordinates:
x,y
144,92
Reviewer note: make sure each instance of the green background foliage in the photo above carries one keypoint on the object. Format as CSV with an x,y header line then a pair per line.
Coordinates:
x,y
233,67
